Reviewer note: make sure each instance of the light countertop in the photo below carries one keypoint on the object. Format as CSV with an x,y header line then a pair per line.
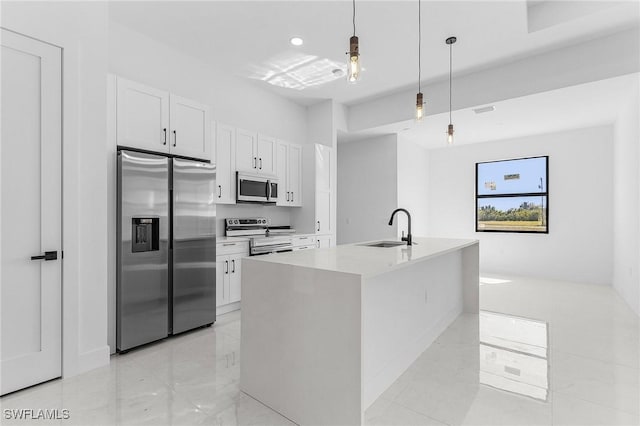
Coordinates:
x,y
368,261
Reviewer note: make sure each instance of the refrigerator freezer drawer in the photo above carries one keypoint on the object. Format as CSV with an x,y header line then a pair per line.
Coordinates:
x,y
194,283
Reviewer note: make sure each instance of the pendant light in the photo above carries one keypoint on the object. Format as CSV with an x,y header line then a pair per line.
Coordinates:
x,y
450,42
353,66
419,101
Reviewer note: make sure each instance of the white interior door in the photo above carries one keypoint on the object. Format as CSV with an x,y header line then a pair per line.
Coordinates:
x,y
30,213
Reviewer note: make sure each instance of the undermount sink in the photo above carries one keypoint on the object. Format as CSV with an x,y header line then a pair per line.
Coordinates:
x,y
385,244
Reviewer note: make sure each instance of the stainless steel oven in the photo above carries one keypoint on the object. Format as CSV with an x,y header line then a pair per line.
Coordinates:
x,y
270,244
256,189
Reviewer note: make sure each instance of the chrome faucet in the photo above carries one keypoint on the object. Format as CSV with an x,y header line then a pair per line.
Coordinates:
x,y
408,237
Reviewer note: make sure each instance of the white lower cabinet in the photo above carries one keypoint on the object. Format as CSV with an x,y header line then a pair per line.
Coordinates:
x,y
229,275
303,242
323,241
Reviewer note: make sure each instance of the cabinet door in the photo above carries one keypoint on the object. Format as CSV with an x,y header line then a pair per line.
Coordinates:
x,y
226,182
142,115
323,212
282,162
235,278
222,280
323,241
266,155
323,168
190,128
295,175
246,160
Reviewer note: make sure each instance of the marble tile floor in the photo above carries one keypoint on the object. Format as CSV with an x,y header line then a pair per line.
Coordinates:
x,y
586,364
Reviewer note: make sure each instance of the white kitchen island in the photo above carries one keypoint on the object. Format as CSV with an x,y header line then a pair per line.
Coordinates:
x,y
326,331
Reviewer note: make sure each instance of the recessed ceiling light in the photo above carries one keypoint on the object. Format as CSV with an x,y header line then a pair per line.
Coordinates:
x,y
484,109
296,41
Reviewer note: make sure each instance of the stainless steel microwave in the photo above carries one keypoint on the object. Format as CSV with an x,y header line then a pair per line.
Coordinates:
x,y
256,189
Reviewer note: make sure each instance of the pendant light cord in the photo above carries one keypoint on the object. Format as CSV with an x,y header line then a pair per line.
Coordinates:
x,y
450,67
419,45
354,17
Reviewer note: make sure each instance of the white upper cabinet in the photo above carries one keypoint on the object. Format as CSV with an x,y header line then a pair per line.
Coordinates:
x,y
266,155
255,153
142,116
190,128
289,171
155,120
225,161
282,162
246,161
294,181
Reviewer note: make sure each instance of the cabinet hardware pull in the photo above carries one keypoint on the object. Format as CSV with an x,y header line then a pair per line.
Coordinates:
x,y
292,196
48,255
228,244
254,162
219,191
226,264
287,195
260,163
175,138
165,136
318,226
233,263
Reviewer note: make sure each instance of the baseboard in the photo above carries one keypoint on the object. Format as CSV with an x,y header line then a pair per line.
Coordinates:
x,y
93,359
225,309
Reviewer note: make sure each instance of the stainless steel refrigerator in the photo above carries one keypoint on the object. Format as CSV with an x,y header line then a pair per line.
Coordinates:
x,y
166,252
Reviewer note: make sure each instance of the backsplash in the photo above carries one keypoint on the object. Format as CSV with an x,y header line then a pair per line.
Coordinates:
x,y
277,215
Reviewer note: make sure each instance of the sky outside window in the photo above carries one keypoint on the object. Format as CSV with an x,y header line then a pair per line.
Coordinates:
x,y
520,176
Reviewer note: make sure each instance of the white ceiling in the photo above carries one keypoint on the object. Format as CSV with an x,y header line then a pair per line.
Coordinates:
x,y
573,107
240,37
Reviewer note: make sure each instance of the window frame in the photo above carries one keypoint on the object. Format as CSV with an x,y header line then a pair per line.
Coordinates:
x,y
523,194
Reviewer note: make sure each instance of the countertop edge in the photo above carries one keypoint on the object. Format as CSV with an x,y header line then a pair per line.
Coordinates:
x,y
464,243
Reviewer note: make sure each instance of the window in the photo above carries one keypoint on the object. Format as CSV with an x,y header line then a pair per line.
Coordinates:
x,y
512,195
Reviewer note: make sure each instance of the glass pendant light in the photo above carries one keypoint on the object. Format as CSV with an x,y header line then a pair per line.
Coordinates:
x,y
419,100
353,66
450,42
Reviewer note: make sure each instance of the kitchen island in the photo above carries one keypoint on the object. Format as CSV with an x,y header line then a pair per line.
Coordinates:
x,y
326,331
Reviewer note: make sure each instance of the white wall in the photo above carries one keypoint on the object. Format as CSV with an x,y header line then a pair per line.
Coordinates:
x,y
579,245
413,178
234,101
80,28
626,191
367,189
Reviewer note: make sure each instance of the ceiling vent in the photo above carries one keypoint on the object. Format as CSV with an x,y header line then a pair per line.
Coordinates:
x,y
482,110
